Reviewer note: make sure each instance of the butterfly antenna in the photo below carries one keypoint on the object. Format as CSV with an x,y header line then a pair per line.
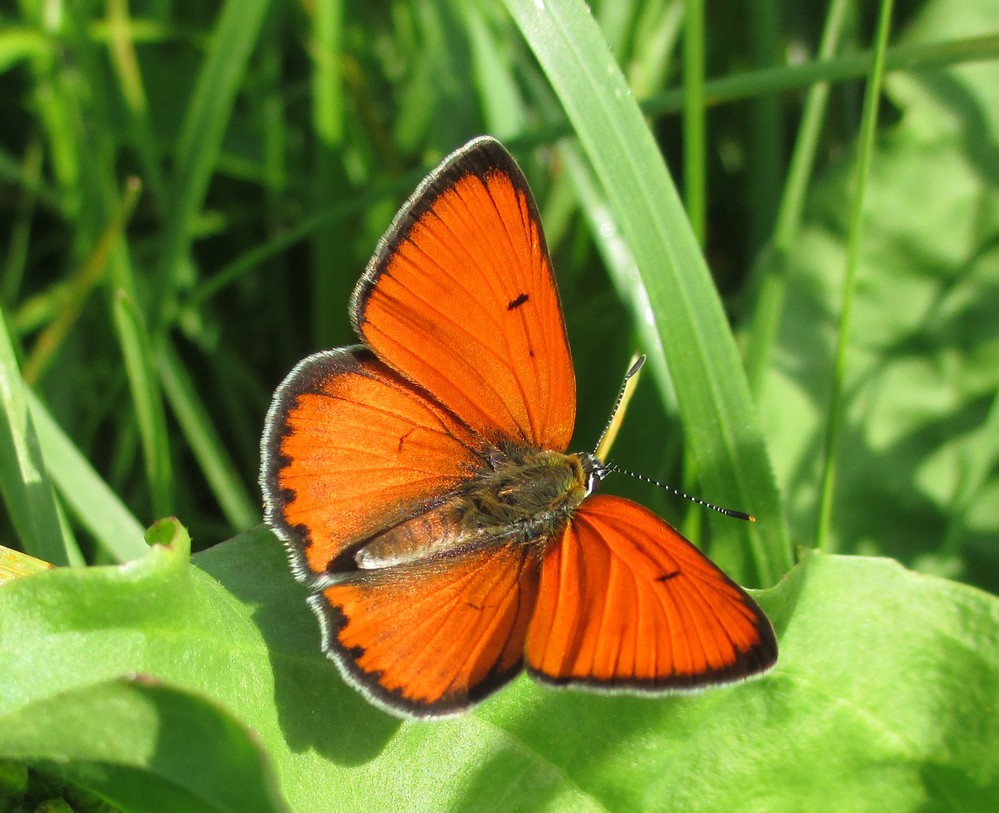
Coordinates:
x,y
728,512
610,432
606,439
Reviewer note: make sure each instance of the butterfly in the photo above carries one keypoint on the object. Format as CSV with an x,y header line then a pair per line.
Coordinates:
x,y
421,485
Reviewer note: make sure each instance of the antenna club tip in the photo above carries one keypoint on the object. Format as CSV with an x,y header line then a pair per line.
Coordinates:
x,y
750,517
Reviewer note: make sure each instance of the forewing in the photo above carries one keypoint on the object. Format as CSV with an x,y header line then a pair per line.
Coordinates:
x,y
625,602
460,297
433,637
352,450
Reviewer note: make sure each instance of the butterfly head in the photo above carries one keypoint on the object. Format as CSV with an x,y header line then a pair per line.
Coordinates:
x,y
593,469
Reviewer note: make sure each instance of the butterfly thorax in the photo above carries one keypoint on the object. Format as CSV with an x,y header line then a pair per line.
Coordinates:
x,y
532,488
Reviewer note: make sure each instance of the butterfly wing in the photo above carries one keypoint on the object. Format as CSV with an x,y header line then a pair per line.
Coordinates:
x,y
460,297
627,603
433,637
352,450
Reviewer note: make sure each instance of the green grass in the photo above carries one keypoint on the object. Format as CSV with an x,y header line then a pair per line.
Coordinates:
x,y
844,337
189,196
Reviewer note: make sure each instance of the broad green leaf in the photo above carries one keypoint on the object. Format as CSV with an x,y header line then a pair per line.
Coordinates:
x,y
130,741
882,680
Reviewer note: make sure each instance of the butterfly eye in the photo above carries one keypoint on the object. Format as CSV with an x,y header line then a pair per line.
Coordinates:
x,y
594,470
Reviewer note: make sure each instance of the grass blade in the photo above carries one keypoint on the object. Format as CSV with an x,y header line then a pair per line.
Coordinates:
x,y
694,180
770,297
201,138
93,503
869,121
144,384
722,435
240,509
24,480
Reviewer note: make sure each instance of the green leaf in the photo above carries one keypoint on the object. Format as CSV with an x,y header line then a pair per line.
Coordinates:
x,y
144,746
882,678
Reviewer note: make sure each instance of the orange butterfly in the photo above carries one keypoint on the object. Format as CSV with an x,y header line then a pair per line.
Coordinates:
x,y
421,485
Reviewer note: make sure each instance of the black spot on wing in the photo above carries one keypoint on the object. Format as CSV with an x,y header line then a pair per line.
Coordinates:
x,y
515,303
667,576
